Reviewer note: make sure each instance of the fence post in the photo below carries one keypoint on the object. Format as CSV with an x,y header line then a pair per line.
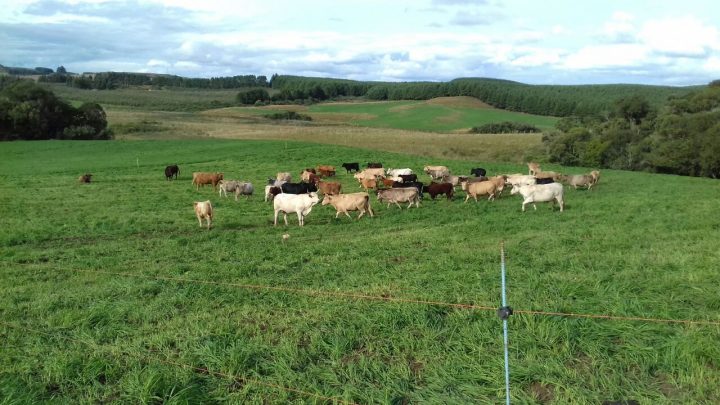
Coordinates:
x,y
504,313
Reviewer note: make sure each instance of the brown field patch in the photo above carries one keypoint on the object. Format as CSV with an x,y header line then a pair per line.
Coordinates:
x,y
459,102
511,148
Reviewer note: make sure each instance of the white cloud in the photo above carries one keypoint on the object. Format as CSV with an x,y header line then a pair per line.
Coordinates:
x,y
620,29
686,36
607,56
538,57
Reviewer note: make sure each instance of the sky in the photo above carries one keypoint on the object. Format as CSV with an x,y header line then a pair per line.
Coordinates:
x,y
539,42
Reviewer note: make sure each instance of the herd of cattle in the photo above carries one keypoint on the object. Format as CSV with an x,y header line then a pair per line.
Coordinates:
x,y
392,186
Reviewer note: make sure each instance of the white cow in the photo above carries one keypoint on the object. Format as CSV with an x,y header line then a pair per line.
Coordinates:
x,y
540,193
203,210
398,172
299,203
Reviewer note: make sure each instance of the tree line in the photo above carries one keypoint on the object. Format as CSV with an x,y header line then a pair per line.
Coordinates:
x,y
681,136
117,80
30,112
553,100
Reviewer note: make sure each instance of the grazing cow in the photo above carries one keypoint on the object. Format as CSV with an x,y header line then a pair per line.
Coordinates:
x,y
436,172
435,189
389,182
373,172
540,193
368,184
203,210
473,190
454,180
351,166
399,195
398,172
595,175
349,202
85,178
406,178
547,175
202,178
374,165
226,186
298,188
520,179
478,172
533,168
237,187
171,171
301,204
284,176
328,188
499,182
416,184
271,192
582,180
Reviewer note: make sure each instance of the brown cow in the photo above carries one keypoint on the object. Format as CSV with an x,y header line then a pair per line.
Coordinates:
x,y
368,183
85,178
440,188
328,188
202,178
326,170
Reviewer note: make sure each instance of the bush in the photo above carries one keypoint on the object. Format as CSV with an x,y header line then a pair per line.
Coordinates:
x,y
505,127
252,96
289,115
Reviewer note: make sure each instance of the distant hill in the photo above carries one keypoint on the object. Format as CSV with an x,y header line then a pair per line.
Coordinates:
x,y
19,71
553,100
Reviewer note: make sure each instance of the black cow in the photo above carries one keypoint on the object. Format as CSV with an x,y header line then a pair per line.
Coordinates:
x,y
440,188
478,172
374,165
298,188
171,171
351,166
408,178
544,181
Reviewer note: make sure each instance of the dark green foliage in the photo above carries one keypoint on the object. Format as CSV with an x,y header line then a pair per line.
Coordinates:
x,y
28,111
289,115
560,101
683,137
312,88
505,127
115,80
251,96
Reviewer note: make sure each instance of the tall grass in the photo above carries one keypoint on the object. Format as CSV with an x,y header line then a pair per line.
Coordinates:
x,y
639,245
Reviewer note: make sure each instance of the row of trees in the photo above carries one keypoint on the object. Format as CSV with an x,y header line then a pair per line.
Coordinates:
x,y
27,111
680,137
115,80
560,101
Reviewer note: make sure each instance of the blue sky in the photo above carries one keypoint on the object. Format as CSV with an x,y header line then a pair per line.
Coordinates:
x,y
551,42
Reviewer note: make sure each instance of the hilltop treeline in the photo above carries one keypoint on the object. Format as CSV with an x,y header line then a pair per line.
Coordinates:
x,y
27,111
117,80
20,71
554,100
681,137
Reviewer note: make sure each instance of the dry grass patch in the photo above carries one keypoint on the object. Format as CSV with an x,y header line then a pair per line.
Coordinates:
x,y
458,102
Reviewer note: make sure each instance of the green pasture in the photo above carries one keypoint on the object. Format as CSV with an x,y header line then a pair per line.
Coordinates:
x,y
111,293
421,115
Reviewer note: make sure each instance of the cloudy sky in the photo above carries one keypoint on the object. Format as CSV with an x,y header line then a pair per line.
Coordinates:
x,y
533,41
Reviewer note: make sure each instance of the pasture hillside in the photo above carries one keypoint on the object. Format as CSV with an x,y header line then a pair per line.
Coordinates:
x,y
110,293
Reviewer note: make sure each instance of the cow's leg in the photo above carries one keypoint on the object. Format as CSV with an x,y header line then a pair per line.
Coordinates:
x,y
370,210
337,214
199,218
561,203
361,212
276,214
525,202
209,222
348,215
398,204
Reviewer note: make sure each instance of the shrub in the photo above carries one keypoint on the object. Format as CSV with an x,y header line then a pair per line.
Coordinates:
x,y
505,127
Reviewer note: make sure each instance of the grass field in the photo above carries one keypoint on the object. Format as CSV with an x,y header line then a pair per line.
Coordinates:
x,y
110,293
